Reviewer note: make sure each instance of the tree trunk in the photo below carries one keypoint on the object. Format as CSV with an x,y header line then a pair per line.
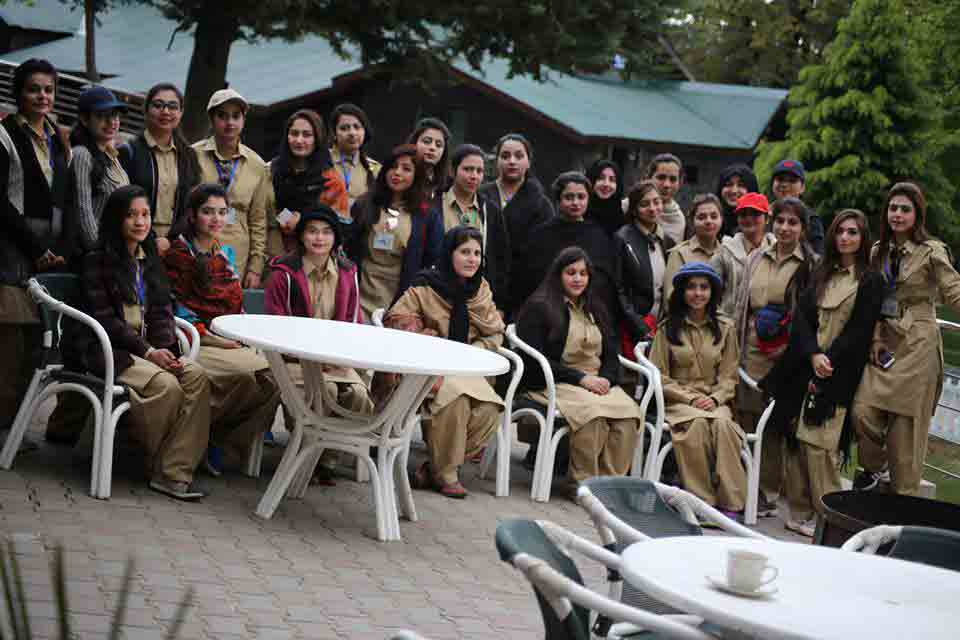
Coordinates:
x,y
208,69
90,42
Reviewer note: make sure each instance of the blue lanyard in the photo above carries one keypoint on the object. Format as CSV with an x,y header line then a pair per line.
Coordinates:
x,y
346,173
141,298
50,149
891,275
220,173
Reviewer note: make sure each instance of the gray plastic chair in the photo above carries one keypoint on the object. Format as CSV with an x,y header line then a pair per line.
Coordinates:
x,y
927,545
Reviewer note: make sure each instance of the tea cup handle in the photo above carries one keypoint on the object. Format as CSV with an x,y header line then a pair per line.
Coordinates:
x,y
776,572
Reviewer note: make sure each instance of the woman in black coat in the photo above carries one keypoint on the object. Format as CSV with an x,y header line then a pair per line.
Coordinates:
x,y
606,195
815,381
524,206
640,259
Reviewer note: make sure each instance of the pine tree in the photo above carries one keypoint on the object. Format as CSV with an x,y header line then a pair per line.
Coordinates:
x,y
864,119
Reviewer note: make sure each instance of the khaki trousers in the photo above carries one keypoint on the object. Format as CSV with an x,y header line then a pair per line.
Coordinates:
x,y
771,462
169,416
243,404
17,344
459,431
708,455
894,440
602,447
810,473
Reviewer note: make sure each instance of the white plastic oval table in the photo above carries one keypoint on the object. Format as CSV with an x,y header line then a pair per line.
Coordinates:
x,y
824,593
419,360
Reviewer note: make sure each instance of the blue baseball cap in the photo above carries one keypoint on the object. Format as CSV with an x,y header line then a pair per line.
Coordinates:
x,y
97,99
692,269
793,167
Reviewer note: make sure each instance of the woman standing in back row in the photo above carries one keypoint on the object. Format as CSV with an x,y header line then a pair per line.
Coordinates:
x,y
918,273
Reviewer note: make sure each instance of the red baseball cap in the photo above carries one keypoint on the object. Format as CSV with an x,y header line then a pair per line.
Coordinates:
x,y
756,201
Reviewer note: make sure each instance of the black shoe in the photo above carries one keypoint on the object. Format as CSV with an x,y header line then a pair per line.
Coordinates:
x,y
866,480
179,490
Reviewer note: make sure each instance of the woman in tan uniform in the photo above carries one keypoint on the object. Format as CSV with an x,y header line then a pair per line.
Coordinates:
x,y
206,284
696,353
706,219
570,327
917,269
829,345
454,301
752,213
395,234
772,281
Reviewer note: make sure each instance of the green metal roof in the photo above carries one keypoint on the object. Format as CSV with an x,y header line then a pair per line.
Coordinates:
x,y
132,47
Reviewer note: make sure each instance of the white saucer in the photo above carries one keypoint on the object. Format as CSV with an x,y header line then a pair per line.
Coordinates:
x,y
765,591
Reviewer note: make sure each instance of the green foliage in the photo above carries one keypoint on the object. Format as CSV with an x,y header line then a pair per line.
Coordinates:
x,y
864,119
757,42
14,618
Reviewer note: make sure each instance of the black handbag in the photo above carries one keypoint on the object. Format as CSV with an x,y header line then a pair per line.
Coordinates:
x,y
818,407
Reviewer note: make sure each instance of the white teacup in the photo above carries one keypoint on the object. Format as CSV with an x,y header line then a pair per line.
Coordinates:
x,y
746,570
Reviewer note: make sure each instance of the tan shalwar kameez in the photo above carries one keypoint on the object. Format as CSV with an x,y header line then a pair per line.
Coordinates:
x,y
812,470
603,429
465,410
707,442
764,282
355,177
891,424
687,251
380,272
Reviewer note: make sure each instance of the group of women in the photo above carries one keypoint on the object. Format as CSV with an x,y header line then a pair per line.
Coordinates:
x,y
588,271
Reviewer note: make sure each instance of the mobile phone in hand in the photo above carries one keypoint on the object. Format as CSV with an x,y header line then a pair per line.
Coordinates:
x,y
886,359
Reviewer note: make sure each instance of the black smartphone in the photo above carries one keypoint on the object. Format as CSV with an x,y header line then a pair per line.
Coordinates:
x,y
886,359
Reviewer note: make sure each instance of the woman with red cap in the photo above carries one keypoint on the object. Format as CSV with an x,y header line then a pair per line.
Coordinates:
x,y
773,279
751,212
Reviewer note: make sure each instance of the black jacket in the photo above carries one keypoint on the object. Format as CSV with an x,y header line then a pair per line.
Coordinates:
x,y
633,276
137,159
528,208
24,238
496,251
848,353
532,328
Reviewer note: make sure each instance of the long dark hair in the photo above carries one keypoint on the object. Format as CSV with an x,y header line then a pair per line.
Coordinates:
x,y
439,177
348,109
81,136
831,257
381,195
198,197
320,156
801,279
637,193
528,148
677,310
188,167
593,174
551,296
919,231
114,246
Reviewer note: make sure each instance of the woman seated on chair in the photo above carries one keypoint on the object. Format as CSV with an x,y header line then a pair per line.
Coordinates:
x,y
695,350
126,290
454,301
205,284
317,281
570,327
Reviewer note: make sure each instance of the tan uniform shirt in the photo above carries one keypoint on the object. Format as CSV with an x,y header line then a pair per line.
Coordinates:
x,y
355,177
40,146
249,192
455,215
167,177
322,282
687,251
584,342
380,272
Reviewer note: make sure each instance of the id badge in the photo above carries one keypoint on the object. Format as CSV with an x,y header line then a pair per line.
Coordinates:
x,y
231,216
383,241
889,307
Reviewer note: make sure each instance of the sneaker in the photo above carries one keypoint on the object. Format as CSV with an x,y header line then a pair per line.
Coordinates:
x,y
803,527
766,508
178,490
867,480
213,463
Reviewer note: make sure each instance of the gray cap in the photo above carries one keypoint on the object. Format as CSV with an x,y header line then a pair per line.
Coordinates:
x,y
226,95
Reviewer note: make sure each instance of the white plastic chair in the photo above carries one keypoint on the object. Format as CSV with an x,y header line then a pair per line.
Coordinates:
x,y
549,434
500,444
750,454
108,399
870,540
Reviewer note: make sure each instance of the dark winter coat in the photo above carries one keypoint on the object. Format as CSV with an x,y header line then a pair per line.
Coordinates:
x,y
137,159
633,276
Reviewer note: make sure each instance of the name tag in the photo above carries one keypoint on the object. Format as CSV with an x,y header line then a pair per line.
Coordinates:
x,y
889,307
231,216
383,241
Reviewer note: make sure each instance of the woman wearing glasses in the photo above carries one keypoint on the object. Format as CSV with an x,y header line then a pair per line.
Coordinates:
x,y
159,161
94,164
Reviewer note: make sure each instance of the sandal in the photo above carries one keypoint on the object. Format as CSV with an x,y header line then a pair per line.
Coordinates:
x,y
453,490
421,478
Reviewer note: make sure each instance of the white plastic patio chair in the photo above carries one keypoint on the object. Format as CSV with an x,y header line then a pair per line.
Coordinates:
x,y
926,545
108,399
870,540
500,444
750,454
542,552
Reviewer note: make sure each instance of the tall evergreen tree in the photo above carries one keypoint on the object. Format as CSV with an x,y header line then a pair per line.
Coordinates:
x,y
864,119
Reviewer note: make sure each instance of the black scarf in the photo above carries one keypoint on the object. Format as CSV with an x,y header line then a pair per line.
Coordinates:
x,y
606,213
451,288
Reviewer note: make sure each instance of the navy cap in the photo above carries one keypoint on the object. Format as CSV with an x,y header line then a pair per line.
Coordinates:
x,y
793,167
97,98
692,269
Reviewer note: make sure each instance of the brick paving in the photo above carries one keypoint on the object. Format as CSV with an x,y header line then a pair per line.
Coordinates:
x,y
315,570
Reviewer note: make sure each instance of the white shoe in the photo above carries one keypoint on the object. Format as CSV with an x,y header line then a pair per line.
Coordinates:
x,y
803,527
